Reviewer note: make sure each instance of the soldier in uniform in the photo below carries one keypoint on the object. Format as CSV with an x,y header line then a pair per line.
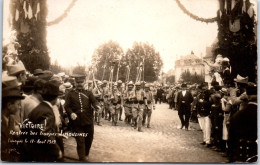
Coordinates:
x,y
121,90
97,92
149,105
106,101
116,104
138,107
78,107
128,102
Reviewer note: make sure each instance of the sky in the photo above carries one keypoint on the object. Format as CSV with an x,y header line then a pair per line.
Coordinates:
x,y
161,23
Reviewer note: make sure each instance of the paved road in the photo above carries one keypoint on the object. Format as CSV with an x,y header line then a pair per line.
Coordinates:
x,y
161,143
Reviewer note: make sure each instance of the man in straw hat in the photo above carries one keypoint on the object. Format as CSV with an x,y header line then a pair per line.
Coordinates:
x,y
11,104
18,70
239,98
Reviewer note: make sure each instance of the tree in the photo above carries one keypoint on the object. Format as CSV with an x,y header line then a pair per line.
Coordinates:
x,y
170,79
79,69
29,21
56,68
106,56
192,78
152,61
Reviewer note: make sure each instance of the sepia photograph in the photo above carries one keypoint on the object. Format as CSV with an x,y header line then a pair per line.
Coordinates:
x,y
129,81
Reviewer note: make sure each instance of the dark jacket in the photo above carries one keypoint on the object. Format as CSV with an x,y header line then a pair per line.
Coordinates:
x,y
84,113
203,108
49,150
160,91
243,133
184,102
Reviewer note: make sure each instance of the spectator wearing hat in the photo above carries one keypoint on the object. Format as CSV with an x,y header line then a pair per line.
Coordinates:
x,y
177,88
17,70
38,72
226,105
78,107
203,108
11,104
217,118
243,130
159,94
47,75
240,98
44,114
9,82
28,104
59,110
33,100
184,100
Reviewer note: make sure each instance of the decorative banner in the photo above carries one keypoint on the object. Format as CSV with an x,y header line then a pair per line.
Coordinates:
x,y
207,20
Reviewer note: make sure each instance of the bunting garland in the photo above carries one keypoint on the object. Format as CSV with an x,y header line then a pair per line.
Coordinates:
x,y
64,15
207,20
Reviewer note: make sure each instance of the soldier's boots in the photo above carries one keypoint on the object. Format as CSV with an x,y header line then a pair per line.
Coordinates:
x,y
140,129
99,124
148,126
135,125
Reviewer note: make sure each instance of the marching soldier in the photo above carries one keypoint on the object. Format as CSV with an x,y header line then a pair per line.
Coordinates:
x,y
149,105
121,90
138,107
116,104
128,95
97,92
78,106
106,99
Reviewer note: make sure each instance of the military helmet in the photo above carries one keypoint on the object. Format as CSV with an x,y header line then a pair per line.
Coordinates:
x,y
115,84
104,81
119,82
131,83
147,86
137,83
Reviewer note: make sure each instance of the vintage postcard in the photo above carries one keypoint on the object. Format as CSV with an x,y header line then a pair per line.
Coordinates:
x,y
122,81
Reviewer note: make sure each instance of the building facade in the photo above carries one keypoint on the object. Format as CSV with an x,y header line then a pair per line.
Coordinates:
x,y
191,63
